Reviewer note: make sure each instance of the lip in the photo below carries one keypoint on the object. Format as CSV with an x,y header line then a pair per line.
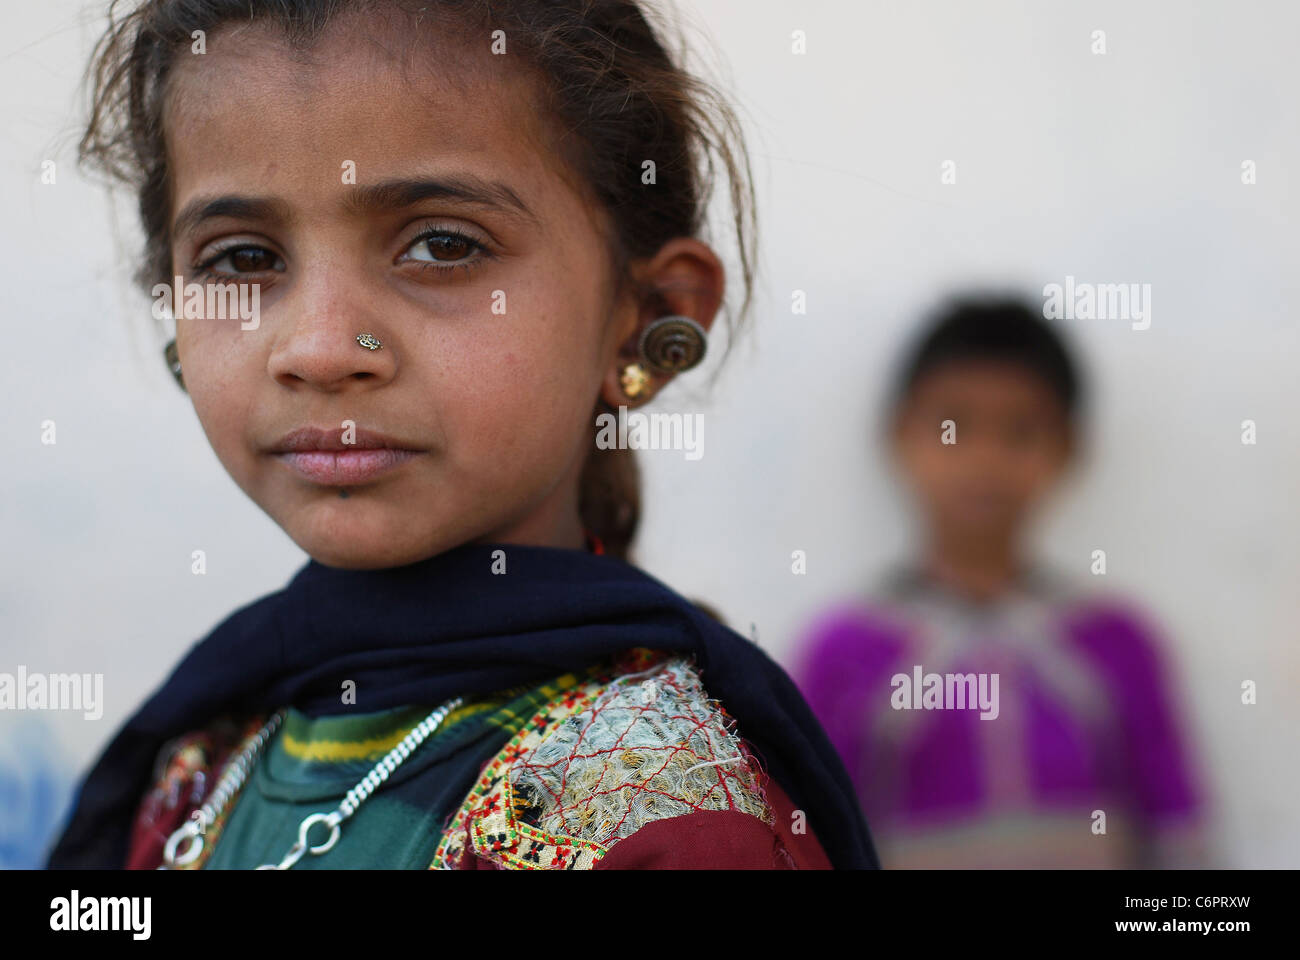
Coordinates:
x,y
321,456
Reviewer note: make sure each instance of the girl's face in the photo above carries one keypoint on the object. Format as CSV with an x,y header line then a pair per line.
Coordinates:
x,y
1012,442
422,204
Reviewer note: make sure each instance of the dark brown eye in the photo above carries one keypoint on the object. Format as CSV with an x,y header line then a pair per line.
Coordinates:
x,y
234,261
448,247
251,259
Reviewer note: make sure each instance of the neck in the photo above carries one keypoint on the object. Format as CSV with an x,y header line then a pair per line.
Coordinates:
x,y
977,567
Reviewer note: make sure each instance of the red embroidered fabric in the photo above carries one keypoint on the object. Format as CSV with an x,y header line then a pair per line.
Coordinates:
x,y
710,840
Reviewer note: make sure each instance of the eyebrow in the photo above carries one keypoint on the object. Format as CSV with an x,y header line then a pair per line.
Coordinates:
x,y
389,195
385,196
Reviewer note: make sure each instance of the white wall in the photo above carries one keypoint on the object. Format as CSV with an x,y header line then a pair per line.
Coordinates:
x,y
1116,168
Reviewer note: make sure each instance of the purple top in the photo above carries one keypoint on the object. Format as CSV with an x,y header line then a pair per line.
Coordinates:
x,y
1066,752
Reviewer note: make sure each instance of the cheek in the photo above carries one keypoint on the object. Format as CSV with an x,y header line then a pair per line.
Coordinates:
x,y
223,416
218,379
1038,474
526,400
217,351
924,462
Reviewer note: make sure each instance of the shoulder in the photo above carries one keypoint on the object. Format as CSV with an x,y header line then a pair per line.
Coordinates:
x,y
638,760
1127,650
852,637
1114,631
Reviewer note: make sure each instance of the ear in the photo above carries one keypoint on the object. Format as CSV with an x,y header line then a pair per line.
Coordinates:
x,y
684,278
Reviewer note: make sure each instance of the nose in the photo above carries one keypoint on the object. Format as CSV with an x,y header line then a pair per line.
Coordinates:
x,y
317,338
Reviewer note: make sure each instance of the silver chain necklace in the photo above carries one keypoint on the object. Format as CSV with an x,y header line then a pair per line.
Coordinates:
x,y
237,770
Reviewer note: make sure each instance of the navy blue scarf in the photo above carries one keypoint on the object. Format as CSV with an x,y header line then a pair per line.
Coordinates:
x,y
448,626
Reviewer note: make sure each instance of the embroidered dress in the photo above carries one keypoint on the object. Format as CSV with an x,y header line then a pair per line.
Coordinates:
x,y
626,766
711,757
1085,722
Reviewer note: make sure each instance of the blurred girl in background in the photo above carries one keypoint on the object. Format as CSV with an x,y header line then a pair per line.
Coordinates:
x,y
1084,762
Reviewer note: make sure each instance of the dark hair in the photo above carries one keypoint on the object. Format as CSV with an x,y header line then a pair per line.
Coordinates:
x,y
1005,329
615,93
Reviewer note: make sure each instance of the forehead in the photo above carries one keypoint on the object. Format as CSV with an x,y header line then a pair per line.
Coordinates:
x,y
1001,385
254,114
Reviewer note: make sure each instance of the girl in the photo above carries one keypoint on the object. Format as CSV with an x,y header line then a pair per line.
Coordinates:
x,y
469,227
1076,757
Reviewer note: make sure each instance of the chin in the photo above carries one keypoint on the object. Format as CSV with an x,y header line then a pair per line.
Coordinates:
x,y
356,534
361,546
354,556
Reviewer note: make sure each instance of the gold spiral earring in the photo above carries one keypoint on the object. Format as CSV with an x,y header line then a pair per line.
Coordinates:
x,y
672,344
